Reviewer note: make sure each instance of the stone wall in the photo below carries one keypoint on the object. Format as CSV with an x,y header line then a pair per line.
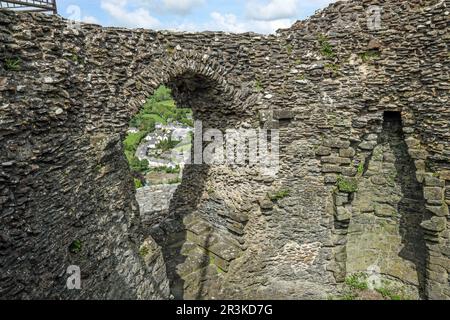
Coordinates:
x,y
325,83
388,209
154,203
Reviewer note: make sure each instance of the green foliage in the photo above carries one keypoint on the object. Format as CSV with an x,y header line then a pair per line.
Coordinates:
x,y
333,67
144,251
159,108
162,94
369,55
387,293
166,145
281,194
289,49
167,169
349,296
326,49
348,185
138,165
76,246
170,50
175,181
144,122
75,58
131,143
361,168
138,183
258,86
133,140
211,190
12,64
184,116
356,281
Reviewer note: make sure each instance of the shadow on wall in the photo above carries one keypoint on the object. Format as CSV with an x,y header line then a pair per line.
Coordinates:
x,y
411,207
184,202
388,208
183,259
195,223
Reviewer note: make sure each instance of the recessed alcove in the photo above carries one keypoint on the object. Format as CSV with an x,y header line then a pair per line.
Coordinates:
x,y
384,233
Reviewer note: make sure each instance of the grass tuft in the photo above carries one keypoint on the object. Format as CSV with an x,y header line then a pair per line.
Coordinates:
x,y
348,185
326,49
281,194
13,64
356,281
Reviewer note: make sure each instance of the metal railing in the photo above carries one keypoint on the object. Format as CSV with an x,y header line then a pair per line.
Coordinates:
x,y
30,5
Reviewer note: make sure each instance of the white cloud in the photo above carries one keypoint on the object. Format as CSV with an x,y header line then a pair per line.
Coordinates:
x,y
272,10
182,7
90,19
266,27
75,13
177,7
231,23
139,17
268,10
226,22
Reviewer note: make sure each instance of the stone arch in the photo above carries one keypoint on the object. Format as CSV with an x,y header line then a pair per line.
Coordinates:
x,y
202,234
173,67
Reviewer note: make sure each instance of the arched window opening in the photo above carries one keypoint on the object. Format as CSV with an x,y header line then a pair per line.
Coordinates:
x,y
158,137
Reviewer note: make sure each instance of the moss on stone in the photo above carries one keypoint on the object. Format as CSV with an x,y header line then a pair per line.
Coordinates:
x,y
333,67
75,58
289,49
170,50
348,185
258,86
361,168
76,246
369,55
144,251
281,194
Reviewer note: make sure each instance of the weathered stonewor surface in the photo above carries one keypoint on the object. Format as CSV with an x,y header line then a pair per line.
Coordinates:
x,y
154,202
388,208
325,83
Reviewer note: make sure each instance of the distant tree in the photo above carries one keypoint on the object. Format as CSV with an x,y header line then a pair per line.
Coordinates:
x,y
139,165
167,145
162,94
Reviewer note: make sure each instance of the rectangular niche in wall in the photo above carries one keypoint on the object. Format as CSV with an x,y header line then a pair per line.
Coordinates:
x,y
384,233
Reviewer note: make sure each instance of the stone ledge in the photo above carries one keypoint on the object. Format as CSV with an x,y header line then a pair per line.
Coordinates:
x,y
283,114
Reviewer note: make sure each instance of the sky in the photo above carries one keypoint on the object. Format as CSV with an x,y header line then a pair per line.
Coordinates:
x,y
261,16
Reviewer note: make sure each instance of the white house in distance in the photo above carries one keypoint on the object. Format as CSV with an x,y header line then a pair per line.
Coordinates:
x,y
133,130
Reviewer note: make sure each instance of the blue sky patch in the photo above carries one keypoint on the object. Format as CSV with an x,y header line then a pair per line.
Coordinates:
x,y
262,16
